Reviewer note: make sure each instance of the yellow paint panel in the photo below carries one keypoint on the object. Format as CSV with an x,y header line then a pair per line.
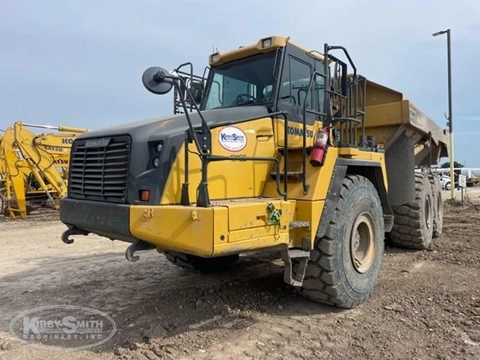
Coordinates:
x,y
310,211
257,48
260,232
220,234
384,115
295,131
317,177
249,50
201,231
348,152
378,94
231,178
186,229
250,215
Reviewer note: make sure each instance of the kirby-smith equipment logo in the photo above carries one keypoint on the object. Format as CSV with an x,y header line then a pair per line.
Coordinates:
x,y
232,138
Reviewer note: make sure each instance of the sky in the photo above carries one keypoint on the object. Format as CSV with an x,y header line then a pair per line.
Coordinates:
x,y
79,63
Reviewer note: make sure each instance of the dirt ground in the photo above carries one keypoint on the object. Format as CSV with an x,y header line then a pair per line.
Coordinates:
x,y
426,306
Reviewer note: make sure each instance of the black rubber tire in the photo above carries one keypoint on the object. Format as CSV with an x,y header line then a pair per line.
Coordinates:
x,y
203,265
331,277
4,204
437,205
411,228
2,201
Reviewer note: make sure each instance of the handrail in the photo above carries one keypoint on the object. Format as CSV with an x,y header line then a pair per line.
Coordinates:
x,y
191,77
347,55
350,93
304,140
334,120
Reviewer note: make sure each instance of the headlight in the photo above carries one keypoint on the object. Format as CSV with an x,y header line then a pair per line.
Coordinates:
x,y
266,43
214,58
156,162
159,148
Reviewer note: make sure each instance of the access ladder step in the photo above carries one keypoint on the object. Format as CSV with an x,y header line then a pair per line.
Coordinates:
x,y
295,278
298,253
299,224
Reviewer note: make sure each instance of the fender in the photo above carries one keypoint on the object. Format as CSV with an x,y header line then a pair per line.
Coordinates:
x,y
371,170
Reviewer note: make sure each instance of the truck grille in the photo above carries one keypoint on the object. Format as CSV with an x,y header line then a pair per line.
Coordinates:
x,y
99,169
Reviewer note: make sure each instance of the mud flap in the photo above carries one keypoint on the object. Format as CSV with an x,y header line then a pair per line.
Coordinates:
x,y
399,160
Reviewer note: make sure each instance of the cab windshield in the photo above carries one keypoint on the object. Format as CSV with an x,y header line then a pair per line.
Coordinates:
x,y
242,82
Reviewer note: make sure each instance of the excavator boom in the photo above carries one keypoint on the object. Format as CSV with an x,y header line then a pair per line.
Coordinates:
x,y
58,128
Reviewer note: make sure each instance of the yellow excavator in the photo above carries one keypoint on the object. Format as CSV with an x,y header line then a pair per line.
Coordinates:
x,y
3,172
16,175
278,148
2,163
36,166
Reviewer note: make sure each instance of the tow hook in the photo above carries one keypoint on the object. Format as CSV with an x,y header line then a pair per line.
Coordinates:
x,y
137,246
72,231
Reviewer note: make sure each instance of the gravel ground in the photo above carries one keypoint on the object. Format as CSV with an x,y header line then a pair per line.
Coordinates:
x,y
426,306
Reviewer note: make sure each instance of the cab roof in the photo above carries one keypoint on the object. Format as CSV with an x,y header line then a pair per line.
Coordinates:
x,y
261,46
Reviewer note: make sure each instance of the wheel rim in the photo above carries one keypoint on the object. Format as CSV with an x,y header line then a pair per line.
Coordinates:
x,y
428,212
362,244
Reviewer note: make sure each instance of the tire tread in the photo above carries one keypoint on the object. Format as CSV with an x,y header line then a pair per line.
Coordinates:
x,y
324,284
407,231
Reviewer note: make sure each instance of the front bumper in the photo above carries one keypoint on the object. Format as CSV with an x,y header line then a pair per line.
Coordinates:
x,y
228,228
104,219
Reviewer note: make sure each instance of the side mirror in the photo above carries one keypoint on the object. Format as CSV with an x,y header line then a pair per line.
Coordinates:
x,y
158,80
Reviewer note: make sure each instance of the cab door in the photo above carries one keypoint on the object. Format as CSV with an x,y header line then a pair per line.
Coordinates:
x,y
298,68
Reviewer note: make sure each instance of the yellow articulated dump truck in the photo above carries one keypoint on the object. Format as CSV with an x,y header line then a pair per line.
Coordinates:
x,y
275,148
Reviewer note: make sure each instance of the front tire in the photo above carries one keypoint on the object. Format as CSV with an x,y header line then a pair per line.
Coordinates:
x,y
345,264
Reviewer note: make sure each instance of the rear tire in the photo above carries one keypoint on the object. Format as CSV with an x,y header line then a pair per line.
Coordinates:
x,y
203,265
345,264
413,224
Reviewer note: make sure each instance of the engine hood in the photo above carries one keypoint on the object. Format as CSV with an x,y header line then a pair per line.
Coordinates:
x,y
156,128
171,132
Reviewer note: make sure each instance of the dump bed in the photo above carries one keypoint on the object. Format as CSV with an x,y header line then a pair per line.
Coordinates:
x,y
408,136
390,116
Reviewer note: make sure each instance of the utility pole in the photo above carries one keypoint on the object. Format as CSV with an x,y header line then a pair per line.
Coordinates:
x,y
450,115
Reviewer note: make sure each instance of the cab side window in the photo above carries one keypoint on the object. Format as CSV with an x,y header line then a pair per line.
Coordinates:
x,y
294,84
